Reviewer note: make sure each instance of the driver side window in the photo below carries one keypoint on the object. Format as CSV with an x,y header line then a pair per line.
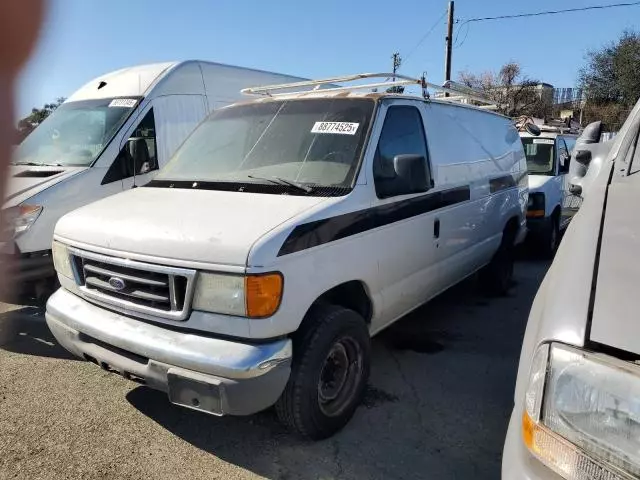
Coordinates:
x,y
138,154
402,134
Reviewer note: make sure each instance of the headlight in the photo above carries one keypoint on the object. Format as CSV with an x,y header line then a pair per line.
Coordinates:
x,y
535,205
20,218
582,414
62,259
254,296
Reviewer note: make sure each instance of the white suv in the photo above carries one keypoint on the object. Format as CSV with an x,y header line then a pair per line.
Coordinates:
x,y
284,233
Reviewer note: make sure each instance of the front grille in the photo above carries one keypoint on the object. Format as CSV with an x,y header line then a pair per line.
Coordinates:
x,y
134,286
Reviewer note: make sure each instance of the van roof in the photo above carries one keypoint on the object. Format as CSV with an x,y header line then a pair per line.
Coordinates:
x,y
136,81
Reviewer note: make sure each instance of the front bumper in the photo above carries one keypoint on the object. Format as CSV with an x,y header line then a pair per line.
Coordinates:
x,y
538,225
28,267
203,373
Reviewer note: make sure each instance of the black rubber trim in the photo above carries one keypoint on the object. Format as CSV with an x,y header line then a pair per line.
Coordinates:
x,y
327,230
594,280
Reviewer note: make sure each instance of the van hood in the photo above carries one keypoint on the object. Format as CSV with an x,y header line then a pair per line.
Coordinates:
x,y
536,182
207,226
26,181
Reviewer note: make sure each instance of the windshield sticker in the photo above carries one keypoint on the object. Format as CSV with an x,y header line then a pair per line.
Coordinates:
x,y
123,102
545,141
340,128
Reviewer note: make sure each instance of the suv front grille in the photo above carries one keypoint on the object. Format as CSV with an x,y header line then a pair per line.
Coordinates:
x,y
132,286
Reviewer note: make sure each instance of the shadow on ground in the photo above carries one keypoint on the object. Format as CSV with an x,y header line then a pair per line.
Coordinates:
x,y
437,406
24,330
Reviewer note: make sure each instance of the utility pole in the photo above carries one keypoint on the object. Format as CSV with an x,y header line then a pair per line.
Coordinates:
x,y
397,61
448,45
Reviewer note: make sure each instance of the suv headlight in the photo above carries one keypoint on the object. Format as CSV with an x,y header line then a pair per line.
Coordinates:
x,y
582,414
254,296
20,218
535,205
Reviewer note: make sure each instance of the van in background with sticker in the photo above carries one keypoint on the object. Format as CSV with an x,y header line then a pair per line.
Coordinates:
x,y
283,233
551,205
111,135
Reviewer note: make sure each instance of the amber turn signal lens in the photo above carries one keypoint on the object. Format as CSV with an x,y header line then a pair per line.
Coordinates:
x,y
535,213
263,294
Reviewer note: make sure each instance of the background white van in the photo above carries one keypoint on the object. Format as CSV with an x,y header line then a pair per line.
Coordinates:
x,y
110,135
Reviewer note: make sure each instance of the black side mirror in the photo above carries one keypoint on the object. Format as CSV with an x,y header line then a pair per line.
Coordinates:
x,y
583,157
412,173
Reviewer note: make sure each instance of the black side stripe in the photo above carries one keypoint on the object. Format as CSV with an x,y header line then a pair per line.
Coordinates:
x,y
327,230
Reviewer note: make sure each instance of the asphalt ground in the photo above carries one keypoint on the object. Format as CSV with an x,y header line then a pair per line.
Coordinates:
x,y
437,407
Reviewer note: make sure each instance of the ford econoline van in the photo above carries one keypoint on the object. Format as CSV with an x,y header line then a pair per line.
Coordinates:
x,y
283,234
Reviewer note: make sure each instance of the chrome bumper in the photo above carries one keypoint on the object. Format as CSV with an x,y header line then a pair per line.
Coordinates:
x,y
208,374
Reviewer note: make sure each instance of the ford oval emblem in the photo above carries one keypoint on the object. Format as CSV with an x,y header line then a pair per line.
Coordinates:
x,y
117,283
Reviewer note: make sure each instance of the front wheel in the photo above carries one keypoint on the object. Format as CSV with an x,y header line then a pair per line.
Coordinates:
x,y
329,374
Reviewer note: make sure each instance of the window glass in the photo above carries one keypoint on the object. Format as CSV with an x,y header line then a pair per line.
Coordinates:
x,y
75,133
315,142
138,153
540,153
402,133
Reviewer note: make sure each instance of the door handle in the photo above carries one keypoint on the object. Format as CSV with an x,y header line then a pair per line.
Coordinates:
x,y
436,228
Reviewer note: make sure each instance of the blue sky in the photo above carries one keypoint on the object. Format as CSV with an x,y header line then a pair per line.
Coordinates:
x,y
85,38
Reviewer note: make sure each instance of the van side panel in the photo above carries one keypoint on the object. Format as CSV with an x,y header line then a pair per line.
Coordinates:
x,y
480,150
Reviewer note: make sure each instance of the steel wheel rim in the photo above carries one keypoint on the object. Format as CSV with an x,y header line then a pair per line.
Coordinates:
x,y
340,376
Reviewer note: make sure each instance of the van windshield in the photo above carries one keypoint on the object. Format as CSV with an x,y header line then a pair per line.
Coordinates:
x,y
308,142
540,153
75,133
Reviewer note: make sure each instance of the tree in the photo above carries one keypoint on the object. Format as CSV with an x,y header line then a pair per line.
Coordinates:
x,y
610,80
36,117
513,92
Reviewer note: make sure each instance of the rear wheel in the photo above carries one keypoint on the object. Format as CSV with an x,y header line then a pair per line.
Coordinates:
x,y
497,277
330,370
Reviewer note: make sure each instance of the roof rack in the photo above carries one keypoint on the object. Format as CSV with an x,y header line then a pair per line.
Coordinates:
x,y
458,94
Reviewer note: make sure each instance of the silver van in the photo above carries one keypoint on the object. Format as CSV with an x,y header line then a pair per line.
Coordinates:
x,y
577,400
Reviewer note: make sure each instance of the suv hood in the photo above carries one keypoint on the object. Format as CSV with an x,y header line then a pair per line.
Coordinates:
x,y
192,225
25,181
615,311
536,182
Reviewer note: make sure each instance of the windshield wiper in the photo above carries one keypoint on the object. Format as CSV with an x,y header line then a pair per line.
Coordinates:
x,y
283,181
34,164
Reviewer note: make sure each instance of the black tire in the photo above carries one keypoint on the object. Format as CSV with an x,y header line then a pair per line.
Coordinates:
x,y
497,277
312,404
551,238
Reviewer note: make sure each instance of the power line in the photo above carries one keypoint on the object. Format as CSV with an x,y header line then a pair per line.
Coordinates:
x,y
553,12
424,37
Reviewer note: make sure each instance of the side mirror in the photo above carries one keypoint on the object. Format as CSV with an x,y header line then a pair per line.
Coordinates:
x,y
532,129
139,152
575,189
583,157
412,173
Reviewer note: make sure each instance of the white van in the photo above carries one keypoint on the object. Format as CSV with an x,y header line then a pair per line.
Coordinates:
x,y
112,134
551,204
284,233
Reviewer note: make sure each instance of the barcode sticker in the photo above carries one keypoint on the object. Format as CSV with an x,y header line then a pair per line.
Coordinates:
x,y
123,102
340,128
545,141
